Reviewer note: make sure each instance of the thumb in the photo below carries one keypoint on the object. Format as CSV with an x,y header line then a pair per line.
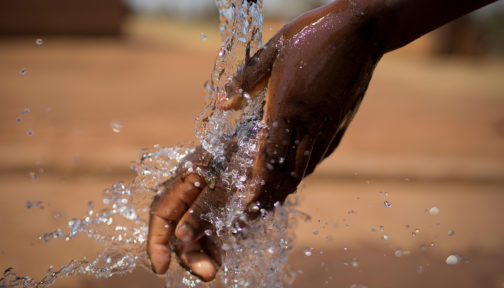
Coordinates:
x,y
251,78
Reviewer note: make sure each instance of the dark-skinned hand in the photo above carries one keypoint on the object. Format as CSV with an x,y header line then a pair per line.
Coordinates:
x,y
316,70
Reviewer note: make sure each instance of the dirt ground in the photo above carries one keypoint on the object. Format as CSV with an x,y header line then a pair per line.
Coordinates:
x,y
430,132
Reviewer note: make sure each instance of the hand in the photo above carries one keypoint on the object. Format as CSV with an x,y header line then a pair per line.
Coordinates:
x,y
200,256
317,69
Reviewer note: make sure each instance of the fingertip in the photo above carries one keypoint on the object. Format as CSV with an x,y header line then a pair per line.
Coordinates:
x,y
160,258
185,232
200,265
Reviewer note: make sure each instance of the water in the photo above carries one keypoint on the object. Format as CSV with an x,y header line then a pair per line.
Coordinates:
x,y
258,258
116,126
434,210
452,259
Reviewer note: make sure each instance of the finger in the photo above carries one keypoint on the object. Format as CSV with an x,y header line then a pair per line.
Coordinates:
x,y
211,244
251,79
160,232
197,261
193,224
284,178
272,162
182,194
324,147
258,67
166,211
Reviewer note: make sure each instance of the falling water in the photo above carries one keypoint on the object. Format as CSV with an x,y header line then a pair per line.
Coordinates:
x,y
258,258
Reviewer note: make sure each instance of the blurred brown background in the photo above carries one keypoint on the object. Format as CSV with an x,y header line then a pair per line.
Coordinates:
x,y
430,132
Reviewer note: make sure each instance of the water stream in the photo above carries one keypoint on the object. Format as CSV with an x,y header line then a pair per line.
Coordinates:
x,y
259,258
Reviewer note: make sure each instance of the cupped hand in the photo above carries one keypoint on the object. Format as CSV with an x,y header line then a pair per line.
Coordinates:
x,y
316,69
196,253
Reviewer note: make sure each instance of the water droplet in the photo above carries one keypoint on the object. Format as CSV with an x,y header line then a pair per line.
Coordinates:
x,y
420,269
39,41
23,71
398,253
373,230
34,204
191,211
382,228
29,132
351,211
315,232
345,249
308,251
387,204
452,259
385,194
434,210
197,184
358,286
19,119
208,232
385,237
116,126
451,232
203,36
355,262
271,250
26,110
424,248
270,28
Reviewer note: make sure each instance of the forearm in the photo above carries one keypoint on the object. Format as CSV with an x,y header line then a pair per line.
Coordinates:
x,y
395,23
399,22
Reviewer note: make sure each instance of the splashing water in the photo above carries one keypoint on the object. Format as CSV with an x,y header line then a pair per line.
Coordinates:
x,y
257,258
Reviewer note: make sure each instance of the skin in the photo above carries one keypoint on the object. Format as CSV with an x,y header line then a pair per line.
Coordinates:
x,y
317,69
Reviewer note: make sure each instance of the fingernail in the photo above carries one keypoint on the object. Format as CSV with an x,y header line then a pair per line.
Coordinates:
x,y
185,233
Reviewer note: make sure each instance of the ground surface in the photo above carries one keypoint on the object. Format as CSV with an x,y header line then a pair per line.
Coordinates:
x,y
430,132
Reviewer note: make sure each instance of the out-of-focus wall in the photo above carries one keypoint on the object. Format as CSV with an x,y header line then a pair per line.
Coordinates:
x,y
69,17
197,8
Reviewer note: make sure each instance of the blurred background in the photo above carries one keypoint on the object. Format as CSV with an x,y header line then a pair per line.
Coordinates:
x,y
85,84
